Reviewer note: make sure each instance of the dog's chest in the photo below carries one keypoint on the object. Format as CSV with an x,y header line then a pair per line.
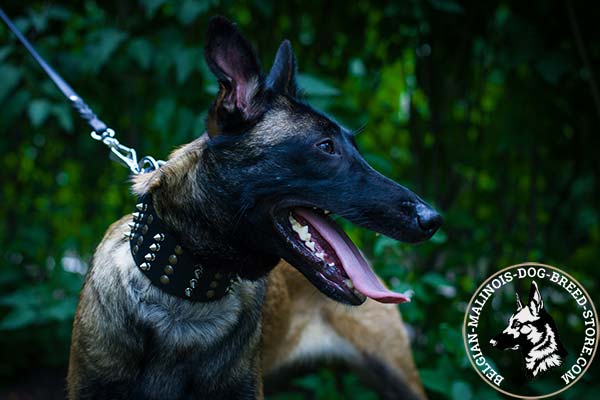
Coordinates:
x,y
176,346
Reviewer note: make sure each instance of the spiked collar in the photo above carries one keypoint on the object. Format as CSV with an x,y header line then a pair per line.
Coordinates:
x,y
175,270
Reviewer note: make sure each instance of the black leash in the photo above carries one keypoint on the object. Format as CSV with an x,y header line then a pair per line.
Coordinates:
x,y
156,251
120,153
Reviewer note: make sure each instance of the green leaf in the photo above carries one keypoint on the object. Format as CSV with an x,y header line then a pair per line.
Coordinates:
x,y
314,86
151,6
10,78
185,61
191,9
461,390
434,279
553,66
102,45
5,51
18,318
63,114
163,114
435,380
39,20
38,111
60,311
447,6
141,51
382,243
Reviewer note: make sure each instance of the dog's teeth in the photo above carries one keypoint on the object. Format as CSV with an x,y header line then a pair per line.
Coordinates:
x,y
303,233
331,264
127,235
310,245
348,283
326,212
141,206
320,255
131,225
301,230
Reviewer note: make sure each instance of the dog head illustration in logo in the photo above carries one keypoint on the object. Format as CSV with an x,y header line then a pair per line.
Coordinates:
x,y
532,330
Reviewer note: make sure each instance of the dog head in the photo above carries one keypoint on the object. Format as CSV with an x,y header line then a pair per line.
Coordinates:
x,y
272,168
525,326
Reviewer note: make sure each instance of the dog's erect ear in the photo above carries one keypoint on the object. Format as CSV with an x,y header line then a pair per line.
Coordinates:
x,y
282,77
519,304
241,81
535,299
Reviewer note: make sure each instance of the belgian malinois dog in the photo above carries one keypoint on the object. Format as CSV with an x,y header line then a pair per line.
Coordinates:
x,y
191,302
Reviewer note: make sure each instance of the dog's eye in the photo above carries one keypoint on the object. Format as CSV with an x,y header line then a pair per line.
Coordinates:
x,y
517,325
326,146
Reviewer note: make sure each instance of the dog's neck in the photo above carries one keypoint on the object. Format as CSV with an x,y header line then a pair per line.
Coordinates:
x,y
196,224
175,269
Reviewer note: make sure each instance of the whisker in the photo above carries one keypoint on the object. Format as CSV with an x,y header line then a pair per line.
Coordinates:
x,y
359,130
239,215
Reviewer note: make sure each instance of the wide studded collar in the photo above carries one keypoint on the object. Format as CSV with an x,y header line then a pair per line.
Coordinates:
x,y
172,268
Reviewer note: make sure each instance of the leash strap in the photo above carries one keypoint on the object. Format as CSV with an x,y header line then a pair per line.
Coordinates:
x,y
84,110
101,132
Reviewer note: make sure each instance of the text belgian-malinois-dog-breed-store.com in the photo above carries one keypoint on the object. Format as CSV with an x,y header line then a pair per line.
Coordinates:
x,y
191,303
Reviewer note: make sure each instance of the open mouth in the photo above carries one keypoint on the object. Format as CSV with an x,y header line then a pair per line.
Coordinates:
x,y
328,258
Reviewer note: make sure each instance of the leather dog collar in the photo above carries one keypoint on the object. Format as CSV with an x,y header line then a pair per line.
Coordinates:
x,y
172,268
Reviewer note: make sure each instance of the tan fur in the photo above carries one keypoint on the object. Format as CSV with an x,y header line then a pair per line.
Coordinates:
x,y
294,307
175,173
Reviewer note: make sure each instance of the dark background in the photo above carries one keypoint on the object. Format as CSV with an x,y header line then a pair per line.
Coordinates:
x,y
490,110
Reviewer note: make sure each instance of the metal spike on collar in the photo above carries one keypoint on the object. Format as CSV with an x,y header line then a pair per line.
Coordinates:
x,y
152,244
155,247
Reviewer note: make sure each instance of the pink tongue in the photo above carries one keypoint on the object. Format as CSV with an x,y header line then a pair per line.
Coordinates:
x,y
354,264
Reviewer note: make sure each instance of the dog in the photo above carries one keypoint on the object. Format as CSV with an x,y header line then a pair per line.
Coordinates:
x,y
532,330
231,268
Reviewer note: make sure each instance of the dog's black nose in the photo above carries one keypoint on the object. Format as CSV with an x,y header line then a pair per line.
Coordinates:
x,y
429,219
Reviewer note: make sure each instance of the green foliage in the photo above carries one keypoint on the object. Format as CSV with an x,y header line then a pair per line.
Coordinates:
x,y
486,111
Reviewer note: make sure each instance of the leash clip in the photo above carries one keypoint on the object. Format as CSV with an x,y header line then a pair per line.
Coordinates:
x,y
126,155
